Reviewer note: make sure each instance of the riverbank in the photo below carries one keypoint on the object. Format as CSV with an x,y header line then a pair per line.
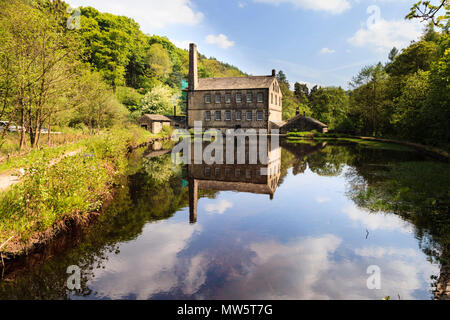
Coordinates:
x,y
70,193
371,141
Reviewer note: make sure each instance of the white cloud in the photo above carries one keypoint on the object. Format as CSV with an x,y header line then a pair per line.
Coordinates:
x,y
332,6
241,4
383,35
221,40
150,14
218,207
327,51
182,44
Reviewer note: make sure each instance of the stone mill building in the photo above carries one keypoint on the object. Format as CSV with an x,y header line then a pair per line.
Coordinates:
x,y
234,102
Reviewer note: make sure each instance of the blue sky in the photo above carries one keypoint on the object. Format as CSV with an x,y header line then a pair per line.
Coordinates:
x,y
323,42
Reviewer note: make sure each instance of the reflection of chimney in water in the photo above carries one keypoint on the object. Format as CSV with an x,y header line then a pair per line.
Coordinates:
x,y
193,200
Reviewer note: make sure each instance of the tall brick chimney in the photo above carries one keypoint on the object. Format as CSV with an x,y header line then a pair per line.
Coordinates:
x,y
274,73
193,72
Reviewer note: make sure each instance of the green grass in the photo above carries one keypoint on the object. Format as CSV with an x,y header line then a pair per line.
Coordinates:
x,y
298,136
78,184
35,155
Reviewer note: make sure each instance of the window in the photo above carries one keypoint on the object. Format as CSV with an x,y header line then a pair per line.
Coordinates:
x,y
218,97
249,116
237,173
260,97
259,116
238,115
271,98
238,97
207,98
207,171
248,173
217,172
218,115
249,97
228,98
208,115
228,115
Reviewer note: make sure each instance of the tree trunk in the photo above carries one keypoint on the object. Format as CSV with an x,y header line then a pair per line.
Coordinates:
x,y
22,131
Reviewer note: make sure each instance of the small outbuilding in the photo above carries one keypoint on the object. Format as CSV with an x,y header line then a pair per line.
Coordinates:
x,y
302,123
155,122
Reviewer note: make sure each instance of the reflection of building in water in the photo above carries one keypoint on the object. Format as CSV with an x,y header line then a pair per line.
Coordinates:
x,y
259,178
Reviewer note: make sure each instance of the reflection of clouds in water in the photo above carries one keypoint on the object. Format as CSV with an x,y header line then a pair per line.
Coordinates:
x,y
402,270
196,274
304,269
147,266
284,271
378,221
218,207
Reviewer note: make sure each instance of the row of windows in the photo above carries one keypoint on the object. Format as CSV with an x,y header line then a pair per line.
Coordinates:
x,y
229,172
217,172
238,98
237,115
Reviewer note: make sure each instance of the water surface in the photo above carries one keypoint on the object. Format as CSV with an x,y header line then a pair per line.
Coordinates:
x,y
309,229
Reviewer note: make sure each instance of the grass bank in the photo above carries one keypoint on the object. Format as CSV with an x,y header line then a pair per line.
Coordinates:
x,y
38,207
370,142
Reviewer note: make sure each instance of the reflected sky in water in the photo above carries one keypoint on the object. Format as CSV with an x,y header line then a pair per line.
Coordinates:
x,y
310,241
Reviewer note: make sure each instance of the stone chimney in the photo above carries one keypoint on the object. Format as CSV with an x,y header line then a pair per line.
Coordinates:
x,y
274,73
193,72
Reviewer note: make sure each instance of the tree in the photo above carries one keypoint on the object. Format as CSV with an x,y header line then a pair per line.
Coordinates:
x,y
95,104
281,77
159,100
159,61
330,105
369,96
393,54
40,56
418,56
301,91
427,12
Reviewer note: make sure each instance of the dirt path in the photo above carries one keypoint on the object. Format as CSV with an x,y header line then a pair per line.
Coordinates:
x,y
7,179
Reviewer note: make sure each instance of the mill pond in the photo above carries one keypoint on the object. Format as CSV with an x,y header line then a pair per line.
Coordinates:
x,y
324,223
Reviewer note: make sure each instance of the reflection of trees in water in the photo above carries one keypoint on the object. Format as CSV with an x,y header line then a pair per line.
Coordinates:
x,y
401,183
378,180
146,197
418,192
